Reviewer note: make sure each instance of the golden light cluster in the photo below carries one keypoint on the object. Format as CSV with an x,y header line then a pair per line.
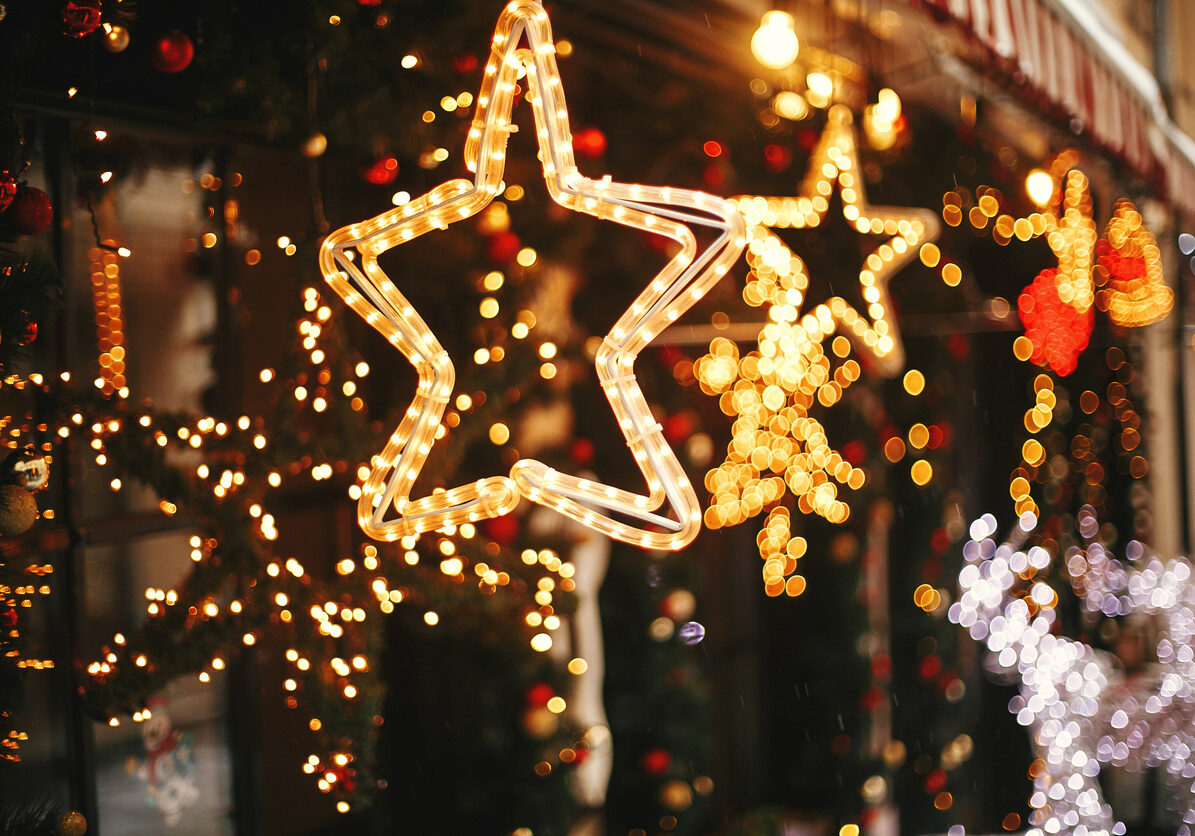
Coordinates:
x,y
109,317
780,552
1125,266
348,260
1134,292
776,444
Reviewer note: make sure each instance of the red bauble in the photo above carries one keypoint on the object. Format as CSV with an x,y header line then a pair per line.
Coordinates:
x,y
589,142
504,247
656,762
466,63
8,189
81,17
383,171
31,211
173,52
28,333
581,451
539,694
502,530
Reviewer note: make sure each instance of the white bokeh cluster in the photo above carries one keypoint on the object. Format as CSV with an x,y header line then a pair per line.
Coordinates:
x,y
1082,709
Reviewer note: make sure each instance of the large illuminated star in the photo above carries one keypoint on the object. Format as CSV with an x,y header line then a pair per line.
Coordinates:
x,y
835,163
348,260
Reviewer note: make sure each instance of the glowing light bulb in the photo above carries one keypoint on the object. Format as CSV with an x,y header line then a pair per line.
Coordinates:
x,y
1040,186
775,43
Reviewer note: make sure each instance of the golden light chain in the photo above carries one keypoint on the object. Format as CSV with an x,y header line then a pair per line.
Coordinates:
x,y
686,278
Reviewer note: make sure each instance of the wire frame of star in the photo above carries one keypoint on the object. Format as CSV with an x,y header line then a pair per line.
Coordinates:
x,y
685,279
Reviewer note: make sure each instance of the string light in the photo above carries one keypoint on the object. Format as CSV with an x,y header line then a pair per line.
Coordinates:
x,y
109,316
348,260
775,43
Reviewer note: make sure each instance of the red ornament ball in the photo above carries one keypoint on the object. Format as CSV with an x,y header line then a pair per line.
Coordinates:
x,y
30,212
466,63
173,52
502,530
383,171
8,189
656,762
504,247
539,694
81,17
581,451
28,333
589,142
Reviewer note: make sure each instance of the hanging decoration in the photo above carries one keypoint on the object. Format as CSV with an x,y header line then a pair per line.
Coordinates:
x,y
1120,273
1129,265
30,212
1082,709
348,260
81,17
173,52
773,388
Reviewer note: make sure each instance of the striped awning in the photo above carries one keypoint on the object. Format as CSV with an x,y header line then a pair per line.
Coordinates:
x,y
1063,51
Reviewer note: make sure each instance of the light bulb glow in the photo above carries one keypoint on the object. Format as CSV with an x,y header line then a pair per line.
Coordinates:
x,y
775,43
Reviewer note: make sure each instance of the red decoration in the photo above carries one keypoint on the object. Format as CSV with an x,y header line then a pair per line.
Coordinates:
x,y
368,3
28,333
589,142
581,451
504,247
677,428
466,63
502,530
929,667
383,171
8,618
539,694
31,211
8,189
1057,331
81,17
656,762
935,781
173,52
776,158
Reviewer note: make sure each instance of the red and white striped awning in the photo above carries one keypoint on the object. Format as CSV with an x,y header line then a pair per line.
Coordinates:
x,y
1062,50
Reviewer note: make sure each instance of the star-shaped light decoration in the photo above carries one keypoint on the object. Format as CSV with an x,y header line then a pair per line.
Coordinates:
x,y
348,260
772,389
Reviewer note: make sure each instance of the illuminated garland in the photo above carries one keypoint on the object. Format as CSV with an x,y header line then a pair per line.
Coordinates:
x,y
687,277
771,390
1082,710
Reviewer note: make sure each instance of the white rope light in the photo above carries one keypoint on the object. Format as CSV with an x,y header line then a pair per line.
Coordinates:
x,y
1082,709
348,260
